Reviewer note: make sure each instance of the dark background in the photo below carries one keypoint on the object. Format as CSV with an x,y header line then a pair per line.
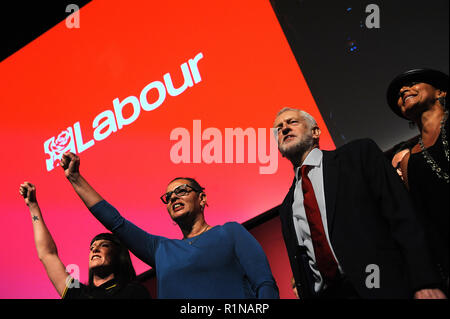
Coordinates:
x,y
23,21
348,86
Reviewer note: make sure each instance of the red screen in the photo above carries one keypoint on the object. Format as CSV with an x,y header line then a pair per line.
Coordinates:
x,y
143,92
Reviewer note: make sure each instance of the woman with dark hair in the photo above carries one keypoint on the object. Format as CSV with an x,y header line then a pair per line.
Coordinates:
x,y
222,261
111,273
420,96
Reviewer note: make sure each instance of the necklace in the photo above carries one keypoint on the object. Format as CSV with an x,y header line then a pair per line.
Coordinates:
x,y
434,166
196,237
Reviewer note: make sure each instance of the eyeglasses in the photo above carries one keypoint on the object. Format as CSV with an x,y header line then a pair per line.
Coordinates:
x,y
180,191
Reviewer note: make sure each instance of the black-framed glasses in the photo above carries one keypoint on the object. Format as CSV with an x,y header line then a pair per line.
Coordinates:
x,y
180,191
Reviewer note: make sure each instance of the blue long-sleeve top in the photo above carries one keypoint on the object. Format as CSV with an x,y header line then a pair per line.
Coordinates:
x,y
224,262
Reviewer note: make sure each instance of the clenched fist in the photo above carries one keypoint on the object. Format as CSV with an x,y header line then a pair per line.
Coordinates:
x,y
28,191
71,165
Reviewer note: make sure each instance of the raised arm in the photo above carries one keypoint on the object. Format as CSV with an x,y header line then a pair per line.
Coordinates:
x,y
45,246
71,164
142,244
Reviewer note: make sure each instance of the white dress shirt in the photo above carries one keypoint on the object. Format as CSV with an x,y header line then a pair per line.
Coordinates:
x,y
315,174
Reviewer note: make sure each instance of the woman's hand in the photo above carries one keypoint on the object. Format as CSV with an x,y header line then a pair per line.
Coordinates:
x,y
28,192
429,294
71,165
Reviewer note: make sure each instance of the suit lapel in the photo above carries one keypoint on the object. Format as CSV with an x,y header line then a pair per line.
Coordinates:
x,y
289,200
286,213
330,184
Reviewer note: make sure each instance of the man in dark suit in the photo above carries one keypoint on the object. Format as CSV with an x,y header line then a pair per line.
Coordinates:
x,y
347,221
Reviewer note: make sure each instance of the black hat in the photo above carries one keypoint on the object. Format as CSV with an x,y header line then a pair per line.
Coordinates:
x,y
436,78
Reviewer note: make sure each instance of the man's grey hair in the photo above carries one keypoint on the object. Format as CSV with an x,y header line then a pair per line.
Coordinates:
x,y
308,117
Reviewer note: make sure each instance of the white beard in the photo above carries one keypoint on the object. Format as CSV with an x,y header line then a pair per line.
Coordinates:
x,y
295,151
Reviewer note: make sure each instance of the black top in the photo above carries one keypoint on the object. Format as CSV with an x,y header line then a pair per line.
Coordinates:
x,y
431,198
109,290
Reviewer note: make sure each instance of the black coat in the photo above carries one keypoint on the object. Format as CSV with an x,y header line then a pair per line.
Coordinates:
x,y
371,220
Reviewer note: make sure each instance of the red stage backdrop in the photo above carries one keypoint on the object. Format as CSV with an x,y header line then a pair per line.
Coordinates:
x,y
144,92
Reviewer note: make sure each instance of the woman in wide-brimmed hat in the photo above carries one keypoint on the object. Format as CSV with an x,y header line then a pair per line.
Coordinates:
x,y
420,96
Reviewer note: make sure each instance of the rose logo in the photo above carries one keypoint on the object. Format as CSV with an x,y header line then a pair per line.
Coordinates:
x,y
55,147
62,141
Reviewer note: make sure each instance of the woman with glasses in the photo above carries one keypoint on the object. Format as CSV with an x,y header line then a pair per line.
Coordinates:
x,y
209,262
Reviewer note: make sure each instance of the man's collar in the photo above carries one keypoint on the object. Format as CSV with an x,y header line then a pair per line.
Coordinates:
x,y
314,158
